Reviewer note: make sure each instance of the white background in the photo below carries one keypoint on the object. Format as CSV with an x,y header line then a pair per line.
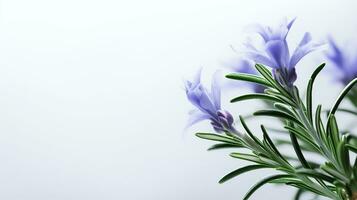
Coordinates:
x,y
91,94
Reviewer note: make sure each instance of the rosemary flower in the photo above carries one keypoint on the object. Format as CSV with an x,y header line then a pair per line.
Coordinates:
x,y
344,62
274,51
208,104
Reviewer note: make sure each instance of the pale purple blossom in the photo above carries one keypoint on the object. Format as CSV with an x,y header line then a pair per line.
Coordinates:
x,y
344,60
208,104
274,51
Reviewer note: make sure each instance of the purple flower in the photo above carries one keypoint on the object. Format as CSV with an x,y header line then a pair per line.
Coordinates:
x,y
274,51
247,67
208,104
344,61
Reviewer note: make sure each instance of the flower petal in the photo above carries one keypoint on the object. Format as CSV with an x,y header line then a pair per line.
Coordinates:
x,y
216,90
196,116
206,103
336,55
279,52
263,31
242,66
289,25
305,47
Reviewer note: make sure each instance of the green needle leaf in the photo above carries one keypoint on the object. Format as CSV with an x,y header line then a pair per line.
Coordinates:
x,y
298,151
279,114
271,144
216,137
298,194
309,90
315,174
352,148
342,95
263,182
241,171
223,146
256,96
255,139
248,78
247,157
268,76
347,111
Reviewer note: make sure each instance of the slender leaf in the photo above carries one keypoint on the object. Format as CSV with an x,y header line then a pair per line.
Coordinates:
x,y
347,111
279,114
268,76
216,137
263,182
298,151
249,78
298,194
315,174
309,90
241,171
224,146
256,140
256,96
352,148
271,144
247,157
342,95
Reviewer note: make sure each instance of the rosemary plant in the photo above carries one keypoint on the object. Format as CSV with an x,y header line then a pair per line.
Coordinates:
x,y
336,178
308,128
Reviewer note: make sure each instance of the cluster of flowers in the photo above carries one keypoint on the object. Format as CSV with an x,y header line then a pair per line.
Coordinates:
x,y
273,52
